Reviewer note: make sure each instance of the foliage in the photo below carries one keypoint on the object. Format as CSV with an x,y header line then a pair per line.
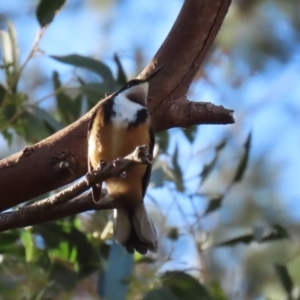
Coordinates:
x,y
61,257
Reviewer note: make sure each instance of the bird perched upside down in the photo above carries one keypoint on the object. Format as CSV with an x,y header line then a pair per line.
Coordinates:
x,y
120,124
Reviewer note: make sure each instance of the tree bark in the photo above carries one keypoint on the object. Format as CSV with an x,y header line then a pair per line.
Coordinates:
x,y
61,158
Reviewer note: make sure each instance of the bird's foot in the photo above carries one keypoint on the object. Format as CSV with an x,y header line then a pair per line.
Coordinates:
x,y
144,155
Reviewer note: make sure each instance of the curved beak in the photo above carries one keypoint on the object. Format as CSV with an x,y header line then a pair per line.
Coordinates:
x,y
153,73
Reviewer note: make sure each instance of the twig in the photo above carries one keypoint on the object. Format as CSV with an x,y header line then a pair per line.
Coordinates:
x,y
49,207
83,203
38,37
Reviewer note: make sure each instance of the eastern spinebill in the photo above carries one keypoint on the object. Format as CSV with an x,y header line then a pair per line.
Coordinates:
x,y
120,124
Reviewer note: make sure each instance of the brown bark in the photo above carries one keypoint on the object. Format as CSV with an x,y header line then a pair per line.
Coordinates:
x,y
63,204
61,158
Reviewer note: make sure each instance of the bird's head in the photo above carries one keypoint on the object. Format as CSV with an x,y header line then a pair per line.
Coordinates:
x,y
136,90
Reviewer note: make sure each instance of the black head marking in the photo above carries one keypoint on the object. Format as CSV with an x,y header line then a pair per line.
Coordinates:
x,y
134,82
130,84
108,111
141,116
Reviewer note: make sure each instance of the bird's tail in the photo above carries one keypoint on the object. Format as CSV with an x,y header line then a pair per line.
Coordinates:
x,y
135,230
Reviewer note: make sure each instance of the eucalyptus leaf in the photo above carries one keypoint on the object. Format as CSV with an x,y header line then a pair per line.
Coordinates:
x,y
177,172
213,204
208,168
121,76
67,243
272,233
8,241
285,279
29,245
244,239
31,127
243,163
46,11
88,63
190,133
93,92
3,92
10,54
162,293
184,286
48,118
68,109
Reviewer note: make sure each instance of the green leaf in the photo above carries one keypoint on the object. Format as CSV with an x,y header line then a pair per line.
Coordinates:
x,y
36,124
190,133
31,127
162,293
163,139
242,166
144,259
208,168
68,109
244,239
63,275
3,92
173,234
8,241
121,77
214,204
91,64
184,286
52,124
177,173
29,245
46,11
275,232
70,245
285,279
94,91
219,147
8,136
216,291
10,54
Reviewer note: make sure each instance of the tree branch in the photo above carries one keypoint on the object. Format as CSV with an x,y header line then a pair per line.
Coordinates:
x,y
185,113
61,158
183,52
55,206
83,203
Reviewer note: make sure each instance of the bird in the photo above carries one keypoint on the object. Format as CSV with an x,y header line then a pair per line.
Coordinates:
x,y
121,123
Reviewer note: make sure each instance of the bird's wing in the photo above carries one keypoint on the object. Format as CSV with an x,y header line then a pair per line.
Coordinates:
x,y
146,177
96,189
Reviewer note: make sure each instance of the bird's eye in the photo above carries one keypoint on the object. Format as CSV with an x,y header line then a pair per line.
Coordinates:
x,y
130,84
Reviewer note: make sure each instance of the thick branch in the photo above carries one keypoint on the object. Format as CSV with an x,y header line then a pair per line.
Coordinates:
x,y
184,113
183,52
61,158
53,207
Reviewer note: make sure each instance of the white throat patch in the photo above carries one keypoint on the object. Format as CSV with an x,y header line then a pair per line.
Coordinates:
x,y
126,110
